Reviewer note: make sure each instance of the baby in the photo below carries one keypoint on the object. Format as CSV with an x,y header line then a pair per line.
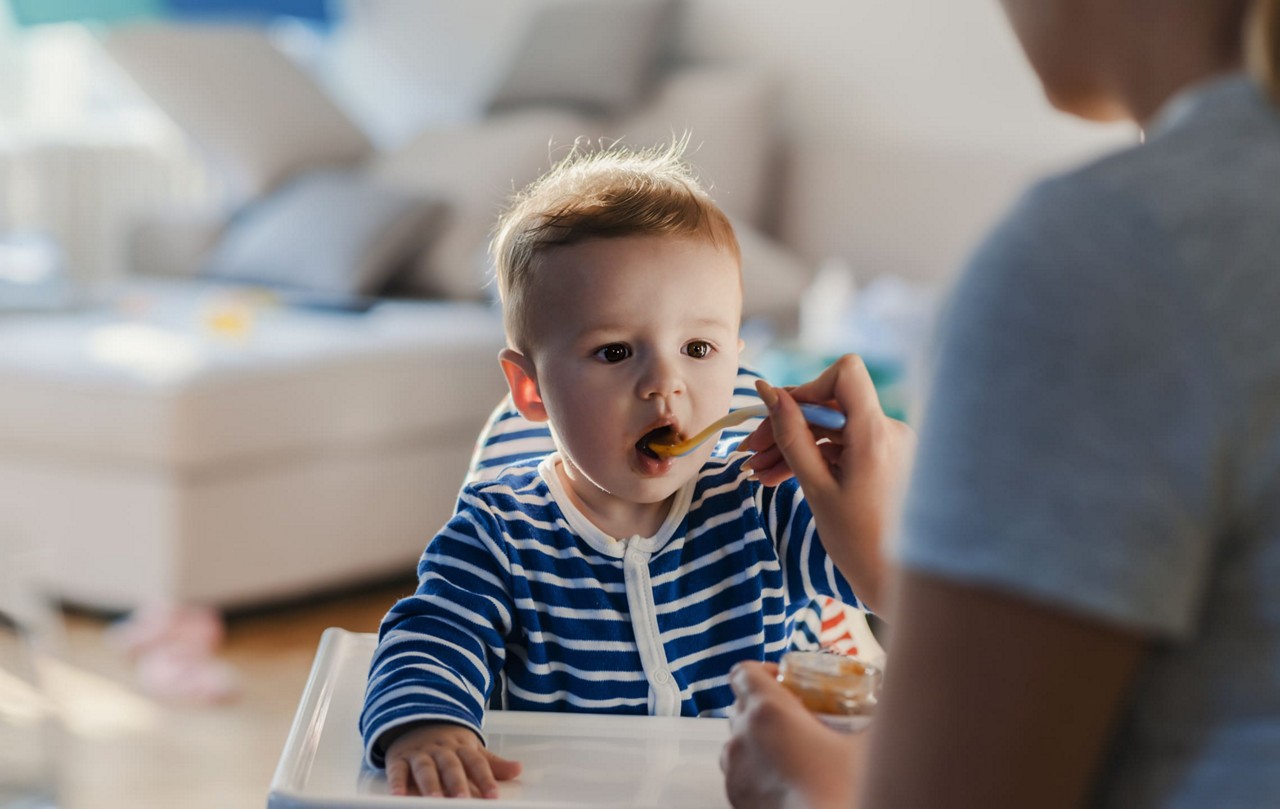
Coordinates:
x,y
606,579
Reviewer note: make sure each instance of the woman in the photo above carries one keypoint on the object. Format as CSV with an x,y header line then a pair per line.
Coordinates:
x,y
1088,607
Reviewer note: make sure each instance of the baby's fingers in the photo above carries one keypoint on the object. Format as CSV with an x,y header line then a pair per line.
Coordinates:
x,y
398,776
453,775
425,775
485,769
504,769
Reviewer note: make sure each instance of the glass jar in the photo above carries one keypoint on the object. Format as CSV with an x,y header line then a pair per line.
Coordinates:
x,y
840,690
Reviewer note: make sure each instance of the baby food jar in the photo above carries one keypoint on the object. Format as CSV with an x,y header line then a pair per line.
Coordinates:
x,y
840,690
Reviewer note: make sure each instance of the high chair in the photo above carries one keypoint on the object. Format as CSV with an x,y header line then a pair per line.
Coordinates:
x,y
569,759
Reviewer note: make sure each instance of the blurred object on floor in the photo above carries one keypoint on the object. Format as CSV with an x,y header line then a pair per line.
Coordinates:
x,y
29,731
175,648
128,751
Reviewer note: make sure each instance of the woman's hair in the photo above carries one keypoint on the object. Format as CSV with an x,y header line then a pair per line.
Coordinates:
x,y
604,194
1262,45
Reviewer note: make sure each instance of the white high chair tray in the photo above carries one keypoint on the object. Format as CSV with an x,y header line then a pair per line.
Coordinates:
x,y
570,760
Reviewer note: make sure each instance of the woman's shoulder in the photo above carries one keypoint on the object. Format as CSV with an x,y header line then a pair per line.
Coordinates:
x,y
1211,146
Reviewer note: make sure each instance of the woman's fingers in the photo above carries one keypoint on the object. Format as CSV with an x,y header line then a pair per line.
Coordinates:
x,y
769,467
796,442
759,439
750,677
848,383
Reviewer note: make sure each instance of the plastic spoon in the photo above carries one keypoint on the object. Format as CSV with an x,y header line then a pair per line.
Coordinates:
x,y
817,415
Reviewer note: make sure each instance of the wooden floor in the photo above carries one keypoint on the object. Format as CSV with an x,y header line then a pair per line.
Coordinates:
x,y
124,749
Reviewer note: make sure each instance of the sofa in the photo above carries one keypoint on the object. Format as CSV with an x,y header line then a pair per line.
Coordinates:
x,y
294,162
283,398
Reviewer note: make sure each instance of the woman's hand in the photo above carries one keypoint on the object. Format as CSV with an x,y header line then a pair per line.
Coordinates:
x,y
852,480
440,758
779,754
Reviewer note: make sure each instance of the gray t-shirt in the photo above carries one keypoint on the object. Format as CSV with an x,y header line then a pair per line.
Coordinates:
x,y
1103,435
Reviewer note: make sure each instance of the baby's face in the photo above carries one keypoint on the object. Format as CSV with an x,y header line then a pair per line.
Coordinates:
x,y
634,335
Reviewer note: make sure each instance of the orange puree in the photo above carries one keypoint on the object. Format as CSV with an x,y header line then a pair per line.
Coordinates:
x,y
832,685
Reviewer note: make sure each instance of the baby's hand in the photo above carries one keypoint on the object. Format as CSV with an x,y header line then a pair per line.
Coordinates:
x,y
440,758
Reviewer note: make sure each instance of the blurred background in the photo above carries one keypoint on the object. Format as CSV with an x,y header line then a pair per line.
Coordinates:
x,y
246,325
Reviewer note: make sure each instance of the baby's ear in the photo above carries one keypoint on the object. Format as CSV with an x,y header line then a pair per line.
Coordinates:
x,y
522,379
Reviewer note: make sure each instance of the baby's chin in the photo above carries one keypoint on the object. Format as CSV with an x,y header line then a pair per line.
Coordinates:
x,y
648,489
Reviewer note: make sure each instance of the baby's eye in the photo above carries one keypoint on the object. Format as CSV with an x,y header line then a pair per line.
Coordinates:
x,y
699,349
614,352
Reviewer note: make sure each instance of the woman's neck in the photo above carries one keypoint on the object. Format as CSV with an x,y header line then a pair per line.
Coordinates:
x,y
1180,52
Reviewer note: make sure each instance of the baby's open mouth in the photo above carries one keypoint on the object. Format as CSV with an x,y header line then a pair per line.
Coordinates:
x,y
661,435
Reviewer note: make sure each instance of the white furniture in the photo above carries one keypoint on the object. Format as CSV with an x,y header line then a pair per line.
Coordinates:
x,y
180,442
570,760
573,71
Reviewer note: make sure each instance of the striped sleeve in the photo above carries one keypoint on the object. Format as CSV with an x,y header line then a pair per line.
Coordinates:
x,y
440,650
808,571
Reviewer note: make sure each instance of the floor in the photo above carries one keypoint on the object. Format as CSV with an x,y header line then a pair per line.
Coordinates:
x,y
124,749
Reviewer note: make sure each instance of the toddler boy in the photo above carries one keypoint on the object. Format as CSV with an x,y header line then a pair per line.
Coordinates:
x,y
607,579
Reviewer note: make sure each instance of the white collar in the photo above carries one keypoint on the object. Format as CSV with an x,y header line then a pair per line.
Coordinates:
x,y
598,539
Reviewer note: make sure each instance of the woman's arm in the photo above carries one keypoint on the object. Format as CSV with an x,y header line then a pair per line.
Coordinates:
x,y
991,700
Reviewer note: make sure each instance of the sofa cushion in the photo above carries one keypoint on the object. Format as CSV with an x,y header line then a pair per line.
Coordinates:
x,y
143,382
330,231
593,55
244,101
773,277
402,66
477,168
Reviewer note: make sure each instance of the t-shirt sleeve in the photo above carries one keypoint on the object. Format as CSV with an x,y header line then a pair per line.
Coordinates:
x,y
1067,446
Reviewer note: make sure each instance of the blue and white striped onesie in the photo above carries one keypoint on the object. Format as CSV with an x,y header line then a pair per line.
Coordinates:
x,y
521,584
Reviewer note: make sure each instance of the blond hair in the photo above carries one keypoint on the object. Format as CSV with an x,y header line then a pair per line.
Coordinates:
x,y
610,193
1262,46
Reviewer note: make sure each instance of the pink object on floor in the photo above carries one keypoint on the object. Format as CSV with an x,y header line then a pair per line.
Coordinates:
x,y
175,651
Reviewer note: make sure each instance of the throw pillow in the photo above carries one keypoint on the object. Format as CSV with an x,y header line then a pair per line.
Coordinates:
x,y
773,277
331,231
255,111
477,168
593,55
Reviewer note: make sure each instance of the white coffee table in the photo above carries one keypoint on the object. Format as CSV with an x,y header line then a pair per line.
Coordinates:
x,y
570,760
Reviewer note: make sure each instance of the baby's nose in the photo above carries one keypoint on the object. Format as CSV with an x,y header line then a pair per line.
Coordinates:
x,y
663,380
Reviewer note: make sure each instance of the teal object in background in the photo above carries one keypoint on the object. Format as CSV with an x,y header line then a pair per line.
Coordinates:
x,y
786,364
41,12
